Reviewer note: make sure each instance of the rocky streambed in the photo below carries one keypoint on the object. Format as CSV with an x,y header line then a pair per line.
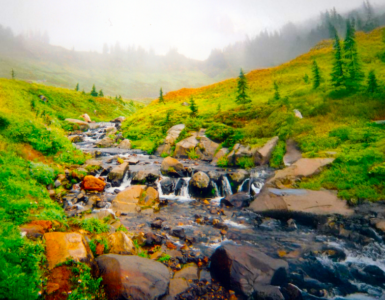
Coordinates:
x,y
227,233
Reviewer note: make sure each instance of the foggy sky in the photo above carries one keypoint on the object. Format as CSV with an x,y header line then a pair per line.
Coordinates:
x,y
193,27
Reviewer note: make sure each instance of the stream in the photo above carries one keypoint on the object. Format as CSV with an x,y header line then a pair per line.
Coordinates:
x,y
322,265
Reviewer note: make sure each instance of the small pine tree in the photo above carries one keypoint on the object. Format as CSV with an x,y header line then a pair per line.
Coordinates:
x,y
316,75
161,99
94,93
277,96
193,108
101,93
33,105
13,74
242,97
372,82
77,87
306,78
338,76
219,109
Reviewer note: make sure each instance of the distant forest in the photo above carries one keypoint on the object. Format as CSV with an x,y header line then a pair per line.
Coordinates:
x,y
39,61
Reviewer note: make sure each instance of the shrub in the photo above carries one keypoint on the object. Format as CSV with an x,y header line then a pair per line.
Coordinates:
x,y
42,173
192,154
92,225
276,160
222,162
219,132
245,162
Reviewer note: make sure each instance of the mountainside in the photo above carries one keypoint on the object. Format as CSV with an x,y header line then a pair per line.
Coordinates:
x,y
335,123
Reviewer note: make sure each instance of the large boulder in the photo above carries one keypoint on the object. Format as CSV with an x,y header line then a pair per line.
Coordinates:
x,y
106,142
120,243
91,183
172,167
61,246
239,151
76,139
200,185
118,120
237,177
220,154
133,277
237,200
262,156
125,144
303,201
117,173
172,135
82,125
244,269
86,118
145,177
206,148
304,167
293,154
183,147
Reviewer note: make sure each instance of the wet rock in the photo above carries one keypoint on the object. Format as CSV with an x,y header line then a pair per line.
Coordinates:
x,y
237,177
125,144
200,185
76,139
167,186
152,239
127,201
237,200
63,245
188,273
172,167
106,142
91,183
262,156
101,204
120,243
133,277
215,176
293,153
157,223
117,173
178,232
177,286
244,269
145,177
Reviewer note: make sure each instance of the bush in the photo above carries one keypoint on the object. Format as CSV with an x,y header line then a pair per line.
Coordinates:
x,y
192,154
92,225
276,160
42,173
219,132
245,162
222,162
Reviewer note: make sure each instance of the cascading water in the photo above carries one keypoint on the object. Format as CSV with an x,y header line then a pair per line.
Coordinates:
x,y
226,186
242,187
216,189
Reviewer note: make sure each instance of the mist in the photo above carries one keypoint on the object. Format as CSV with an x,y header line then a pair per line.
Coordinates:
x,y
194,28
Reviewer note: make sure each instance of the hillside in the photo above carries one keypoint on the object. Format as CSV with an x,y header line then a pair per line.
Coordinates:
x,y
335,122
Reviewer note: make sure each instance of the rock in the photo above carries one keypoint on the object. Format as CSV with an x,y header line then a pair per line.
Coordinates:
x,y
129,200
63,245
152,239
82,125
120,243
183,147
293,154
118,120
178,232
133,277
91,183
237,200
244,269
305,201
125,144
118,172
237,177
185,104
172,167
304,167
149,197
262,156
111,130
36,228
76,139
157,223
200,185
214,176
172,135
188,273
380,225
206,148
177,286
239,151
145,177
221,153
297,113
133,161
167,186
105,143
86,118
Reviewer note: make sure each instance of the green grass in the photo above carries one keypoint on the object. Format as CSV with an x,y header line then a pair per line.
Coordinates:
x,y
92,225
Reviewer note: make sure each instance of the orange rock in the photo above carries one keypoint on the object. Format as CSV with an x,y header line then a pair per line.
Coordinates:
x,y
52,287
59,283
47,225
170,245
92,183
63,245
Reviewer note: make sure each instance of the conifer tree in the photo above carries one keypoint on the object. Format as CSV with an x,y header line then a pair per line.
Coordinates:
x,y
277,96
353,66
93,91
101,93
372,82
161,99
193,108
338,76
306,78
242,97
13,74
316,75
77,87
219,109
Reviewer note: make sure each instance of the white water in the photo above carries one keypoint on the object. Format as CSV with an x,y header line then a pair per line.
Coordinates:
x,y
240,188
226,186
125,184
184,191
257,187
216,189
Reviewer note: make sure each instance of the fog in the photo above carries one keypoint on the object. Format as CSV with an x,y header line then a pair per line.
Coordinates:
x,y
193,27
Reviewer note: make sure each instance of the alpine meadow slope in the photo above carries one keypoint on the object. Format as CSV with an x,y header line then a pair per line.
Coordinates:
x,y
336,122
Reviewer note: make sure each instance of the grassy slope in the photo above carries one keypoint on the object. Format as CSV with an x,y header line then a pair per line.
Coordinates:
x,y
33,150
336,123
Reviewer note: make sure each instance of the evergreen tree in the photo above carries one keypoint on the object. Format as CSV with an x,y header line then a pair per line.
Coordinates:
x,y
77,87
316,75
101,93
219,109
193,108
306,78
13,74
372,82
338,76
161,99
277,96
93,91
353,66
242,97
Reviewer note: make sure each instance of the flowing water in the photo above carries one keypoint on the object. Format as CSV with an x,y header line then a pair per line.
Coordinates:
x,y
322,264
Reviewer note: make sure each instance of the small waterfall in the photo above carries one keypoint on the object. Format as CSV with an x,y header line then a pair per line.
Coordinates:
x,y
226,186
217,194
126,182
242,187
184,190
159,187
257,187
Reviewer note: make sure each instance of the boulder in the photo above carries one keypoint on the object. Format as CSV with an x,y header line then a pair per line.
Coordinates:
x,y
237,200
200,185
304,201
86,118
167,186
130,200
120,243
172,167
237,177
118,120
125,144
111,130
91,183
297,113
105,143
262,156
133,277
76,139
206,148
238,152
177,286
149,197
304,167
60,246
293,154
221,153
183,147
145,177
117,173
188,273
244,269
172,135
35,228
82,125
